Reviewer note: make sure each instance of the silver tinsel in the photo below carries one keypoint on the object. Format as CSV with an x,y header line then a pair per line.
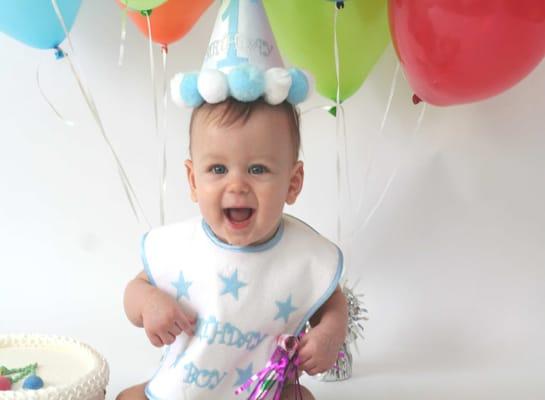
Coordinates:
x,y
357,313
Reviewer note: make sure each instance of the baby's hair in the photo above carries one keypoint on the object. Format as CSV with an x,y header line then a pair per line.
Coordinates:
x,y
231,111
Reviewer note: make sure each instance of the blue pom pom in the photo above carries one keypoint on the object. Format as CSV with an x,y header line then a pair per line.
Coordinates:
x,y
299,86
246,83
33,382
189,91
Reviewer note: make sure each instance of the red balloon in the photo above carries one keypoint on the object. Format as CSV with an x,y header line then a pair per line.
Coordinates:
x,y
171,20
460,51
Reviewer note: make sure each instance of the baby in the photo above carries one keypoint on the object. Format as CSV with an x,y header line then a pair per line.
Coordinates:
x,y
217,290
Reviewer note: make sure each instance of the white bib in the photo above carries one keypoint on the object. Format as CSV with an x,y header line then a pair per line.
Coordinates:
x,y
244,297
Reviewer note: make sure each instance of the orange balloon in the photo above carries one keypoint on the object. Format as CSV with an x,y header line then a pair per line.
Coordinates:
x,y
171,20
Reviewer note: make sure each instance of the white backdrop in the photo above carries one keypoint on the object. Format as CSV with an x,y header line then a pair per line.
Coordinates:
x,y
452,263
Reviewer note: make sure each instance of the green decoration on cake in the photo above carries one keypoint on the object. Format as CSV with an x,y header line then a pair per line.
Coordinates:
x,y
10,376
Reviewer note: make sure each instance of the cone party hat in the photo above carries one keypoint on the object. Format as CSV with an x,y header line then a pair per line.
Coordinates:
x,y
242,61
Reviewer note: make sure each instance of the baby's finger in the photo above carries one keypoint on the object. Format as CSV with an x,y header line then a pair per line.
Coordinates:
x,y
155,340
185,325
167,338
313,371
173,334
175,329
303,341
188,314
303,359
308,365
303,354
179,326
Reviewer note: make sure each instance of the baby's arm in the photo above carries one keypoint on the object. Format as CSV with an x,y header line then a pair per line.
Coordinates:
x,y
320,346
161,316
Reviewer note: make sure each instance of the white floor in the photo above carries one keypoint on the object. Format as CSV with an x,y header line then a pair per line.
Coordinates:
x,y
388,382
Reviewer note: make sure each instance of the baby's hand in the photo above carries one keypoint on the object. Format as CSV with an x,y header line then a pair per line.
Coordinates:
x,y
164,319
317,351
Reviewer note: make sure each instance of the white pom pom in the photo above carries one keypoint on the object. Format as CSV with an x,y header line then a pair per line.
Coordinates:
x,y
175,93
212,85
277,85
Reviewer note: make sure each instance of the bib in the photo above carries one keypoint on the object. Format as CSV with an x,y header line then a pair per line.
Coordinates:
x,y
244,298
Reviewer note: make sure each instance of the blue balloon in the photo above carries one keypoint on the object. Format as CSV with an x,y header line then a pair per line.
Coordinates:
x,y
35,23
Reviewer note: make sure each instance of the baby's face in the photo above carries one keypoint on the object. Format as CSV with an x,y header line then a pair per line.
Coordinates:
x,y
241,175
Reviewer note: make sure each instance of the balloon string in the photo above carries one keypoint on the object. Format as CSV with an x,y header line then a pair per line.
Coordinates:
x,y
156,116
123,38
152,72
164,53
393,175
340,127
163,186
345,141
371,162
86,93
129,190
44,96
390,98
337,62
324,107
337,103
63,25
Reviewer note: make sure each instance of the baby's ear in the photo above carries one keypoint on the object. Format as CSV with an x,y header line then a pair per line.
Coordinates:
x,y
296,182
191,179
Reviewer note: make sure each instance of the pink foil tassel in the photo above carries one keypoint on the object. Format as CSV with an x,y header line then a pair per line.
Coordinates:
x,y
280,368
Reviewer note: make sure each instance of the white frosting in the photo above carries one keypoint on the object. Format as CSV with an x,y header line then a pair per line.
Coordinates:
x,y
69,369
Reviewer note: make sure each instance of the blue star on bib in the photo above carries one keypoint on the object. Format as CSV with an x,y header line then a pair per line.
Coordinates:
x,y
232,284
244,374
285,308
182,287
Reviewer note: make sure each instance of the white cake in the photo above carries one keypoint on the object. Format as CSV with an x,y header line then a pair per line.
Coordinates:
x,y
68,368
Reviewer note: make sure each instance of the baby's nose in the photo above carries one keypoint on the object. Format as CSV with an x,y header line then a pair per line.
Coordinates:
x,y
238,186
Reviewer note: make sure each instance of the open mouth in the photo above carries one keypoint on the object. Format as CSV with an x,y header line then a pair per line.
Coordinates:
x,y
239,217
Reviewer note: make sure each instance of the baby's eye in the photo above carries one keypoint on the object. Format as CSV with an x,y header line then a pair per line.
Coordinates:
x,y
218,169
257,169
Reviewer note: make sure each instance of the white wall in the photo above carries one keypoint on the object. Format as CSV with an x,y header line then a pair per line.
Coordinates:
x,y
452,263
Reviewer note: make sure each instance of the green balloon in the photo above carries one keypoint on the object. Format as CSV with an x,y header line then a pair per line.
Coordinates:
x,y
304,30
143,5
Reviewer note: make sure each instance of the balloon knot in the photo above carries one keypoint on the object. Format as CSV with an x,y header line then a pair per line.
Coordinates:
x,y
340,4
146,13
164,48
59,53
416,99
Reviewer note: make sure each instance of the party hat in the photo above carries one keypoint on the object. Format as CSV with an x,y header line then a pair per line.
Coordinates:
x,y
242,61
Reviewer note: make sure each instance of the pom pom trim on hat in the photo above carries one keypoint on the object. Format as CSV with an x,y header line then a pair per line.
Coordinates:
x,y
245,83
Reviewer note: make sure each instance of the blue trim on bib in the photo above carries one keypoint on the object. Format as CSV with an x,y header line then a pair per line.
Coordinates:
x,y
326,294
244,249
145,260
